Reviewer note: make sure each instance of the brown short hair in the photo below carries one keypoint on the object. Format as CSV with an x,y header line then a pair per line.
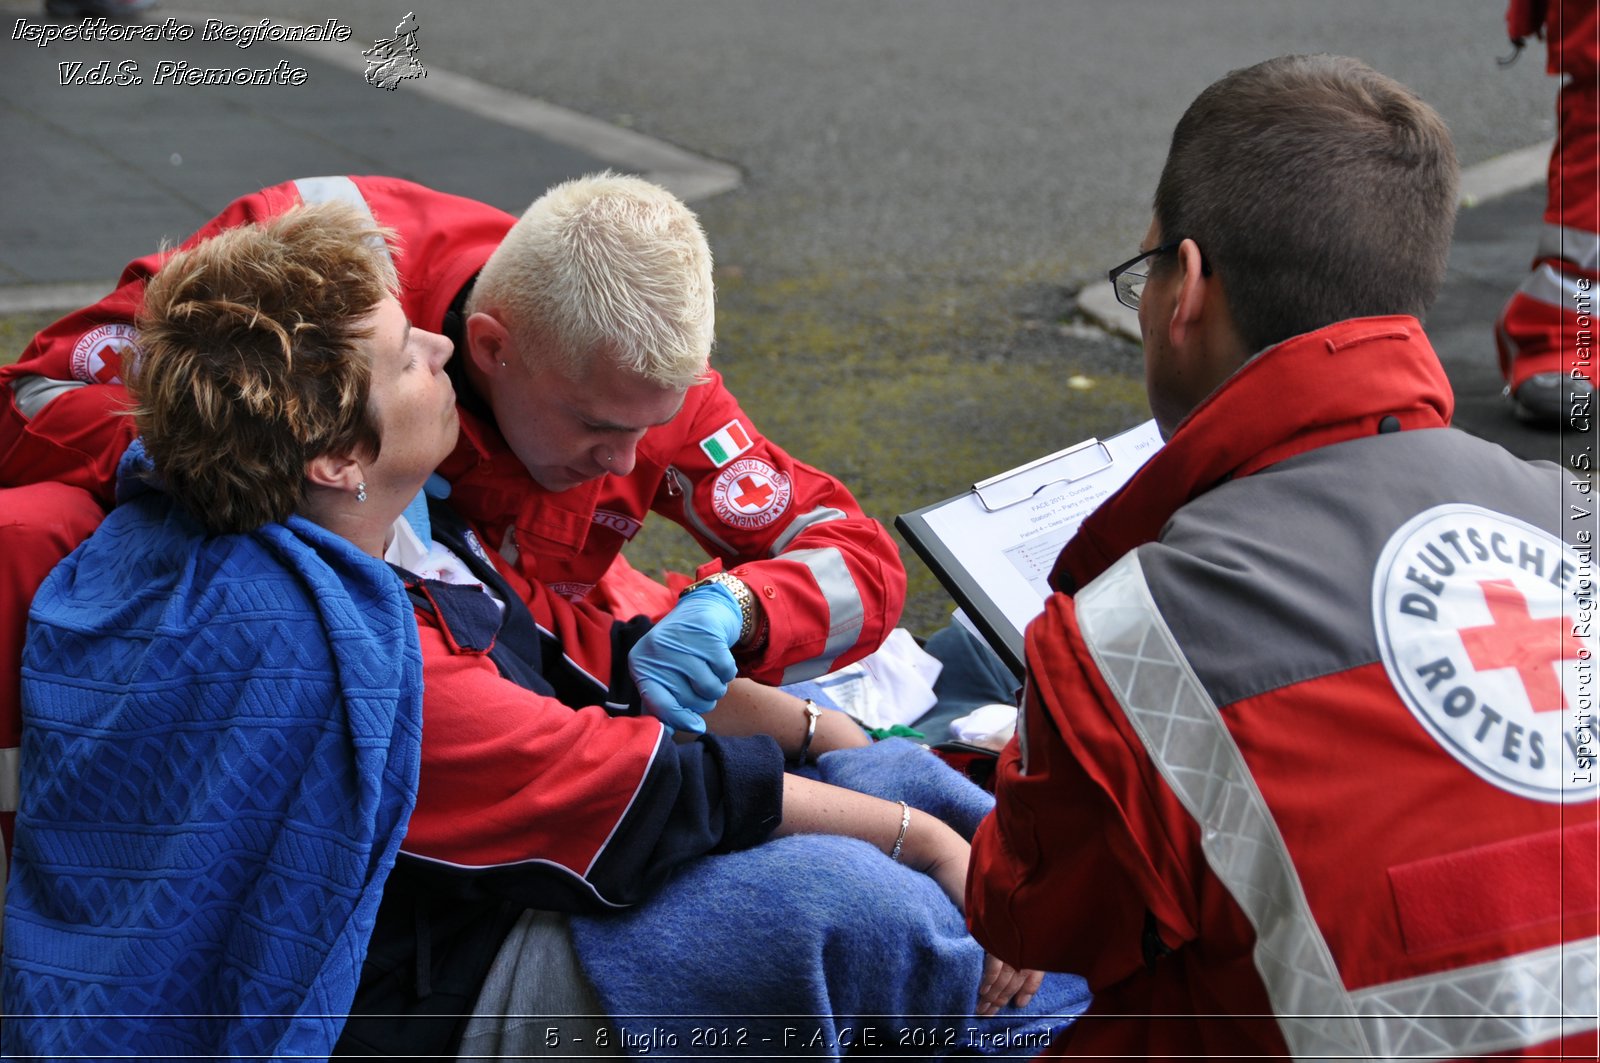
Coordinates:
x,y
1318,189
251,362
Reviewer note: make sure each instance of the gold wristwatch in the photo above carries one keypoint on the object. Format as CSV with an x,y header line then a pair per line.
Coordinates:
x,y
749,619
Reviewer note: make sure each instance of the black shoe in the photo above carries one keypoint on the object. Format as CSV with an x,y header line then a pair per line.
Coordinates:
x,y
1549,399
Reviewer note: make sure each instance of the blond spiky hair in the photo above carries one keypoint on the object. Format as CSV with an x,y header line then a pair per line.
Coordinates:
x,y
605,266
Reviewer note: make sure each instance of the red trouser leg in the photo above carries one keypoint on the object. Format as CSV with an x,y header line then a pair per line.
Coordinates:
x,y
1548,326
39,525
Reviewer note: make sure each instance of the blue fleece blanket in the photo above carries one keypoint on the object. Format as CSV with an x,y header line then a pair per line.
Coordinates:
x,y
221,754
815,945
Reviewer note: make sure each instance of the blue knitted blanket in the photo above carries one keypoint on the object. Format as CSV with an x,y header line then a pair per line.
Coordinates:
x,y
221,750
815,945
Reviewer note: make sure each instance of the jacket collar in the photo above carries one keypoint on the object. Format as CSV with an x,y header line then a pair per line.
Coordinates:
x,y
486,477
1337,383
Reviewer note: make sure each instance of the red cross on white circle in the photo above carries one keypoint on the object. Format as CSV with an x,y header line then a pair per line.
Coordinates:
x,y
754,493
1514,639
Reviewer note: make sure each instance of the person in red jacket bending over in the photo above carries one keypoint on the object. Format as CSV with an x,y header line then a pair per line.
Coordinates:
x,y
1306,759
583,332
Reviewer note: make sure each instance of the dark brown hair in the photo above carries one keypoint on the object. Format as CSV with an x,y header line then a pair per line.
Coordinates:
x,y
1318,189
251,361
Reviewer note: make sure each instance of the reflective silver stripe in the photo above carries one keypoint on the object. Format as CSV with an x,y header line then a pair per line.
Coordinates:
x,y
1191,747
34,393
1576,246
846,614
1547,285
336,190
1541,996
332,190
10,778
801,523
1189,743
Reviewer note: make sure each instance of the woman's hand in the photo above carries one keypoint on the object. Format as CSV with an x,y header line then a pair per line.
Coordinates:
x,y
927,844
942,854
1003,985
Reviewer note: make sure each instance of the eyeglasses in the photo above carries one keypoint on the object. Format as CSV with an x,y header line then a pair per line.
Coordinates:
x,y
1128,282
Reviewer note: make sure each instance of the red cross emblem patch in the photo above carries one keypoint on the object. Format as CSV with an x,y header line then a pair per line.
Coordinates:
x,y
98,355
1484,626
750,494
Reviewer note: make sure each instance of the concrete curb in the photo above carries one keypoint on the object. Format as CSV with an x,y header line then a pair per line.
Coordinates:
x,y
691,177
687,175
52,298
1504,174
1496,177
1099,303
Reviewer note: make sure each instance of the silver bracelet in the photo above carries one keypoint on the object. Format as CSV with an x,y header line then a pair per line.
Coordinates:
x,y
812,713
905,822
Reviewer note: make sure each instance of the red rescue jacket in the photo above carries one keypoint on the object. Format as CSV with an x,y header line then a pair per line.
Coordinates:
x,y
829,577
1294,775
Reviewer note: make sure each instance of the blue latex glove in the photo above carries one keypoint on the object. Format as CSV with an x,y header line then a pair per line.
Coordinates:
x,y
437,486
684,664
416,515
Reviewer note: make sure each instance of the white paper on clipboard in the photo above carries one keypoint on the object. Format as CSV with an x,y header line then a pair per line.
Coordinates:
x,y
1008,530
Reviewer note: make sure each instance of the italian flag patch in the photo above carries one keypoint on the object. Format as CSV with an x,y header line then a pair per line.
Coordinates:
x,y
728,443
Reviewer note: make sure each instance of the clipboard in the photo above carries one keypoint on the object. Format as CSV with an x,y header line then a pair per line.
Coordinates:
x,y
993,546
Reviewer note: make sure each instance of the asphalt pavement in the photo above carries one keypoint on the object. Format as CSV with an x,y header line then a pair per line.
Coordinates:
x,y
97,174
116,144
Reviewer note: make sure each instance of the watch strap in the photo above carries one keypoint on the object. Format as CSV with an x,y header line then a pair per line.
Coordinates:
x,y
741,596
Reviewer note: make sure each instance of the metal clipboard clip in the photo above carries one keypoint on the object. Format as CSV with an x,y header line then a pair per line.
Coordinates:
x,y
1077,462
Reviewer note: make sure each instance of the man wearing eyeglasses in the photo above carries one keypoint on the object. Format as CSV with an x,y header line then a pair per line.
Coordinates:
x,y
1306,762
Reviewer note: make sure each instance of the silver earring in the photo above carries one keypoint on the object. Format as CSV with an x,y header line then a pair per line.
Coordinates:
x,y
361,491
502,365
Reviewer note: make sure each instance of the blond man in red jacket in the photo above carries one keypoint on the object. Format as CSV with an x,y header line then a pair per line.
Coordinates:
x,y
582,332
